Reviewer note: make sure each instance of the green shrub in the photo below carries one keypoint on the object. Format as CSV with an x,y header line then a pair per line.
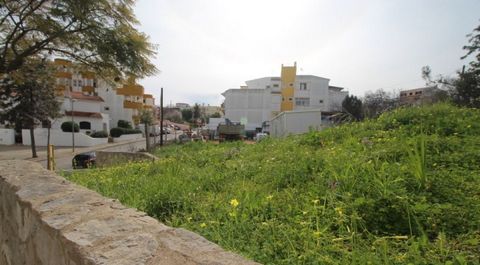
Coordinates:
x,y
99,134
117,132
124,124
67,126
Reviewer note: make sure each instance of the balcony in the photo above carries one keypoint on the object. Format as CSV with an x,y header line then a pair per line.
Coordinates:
x,y
131,90
89,89
63,75
132,105
62,62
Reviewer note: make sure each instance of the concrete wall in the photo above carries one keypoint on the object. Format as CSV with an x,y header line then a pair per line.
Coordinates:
x,y
128,137
295,122
106,159
46,220
59,138
7,136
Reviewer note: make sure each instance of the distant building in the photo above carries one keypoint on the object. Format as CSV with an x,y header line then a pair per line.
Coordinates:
x,y
264,98
422,95
121,101
182,105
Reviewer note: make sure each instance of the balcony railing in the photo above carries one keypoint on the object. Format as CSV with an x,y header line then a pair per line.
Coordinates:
x,y
131,90
132,105
89,89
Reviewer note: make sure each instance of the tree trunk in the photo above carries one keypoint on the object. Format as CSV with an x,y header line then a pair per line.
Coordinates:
x,y
32,142
147,137
48,146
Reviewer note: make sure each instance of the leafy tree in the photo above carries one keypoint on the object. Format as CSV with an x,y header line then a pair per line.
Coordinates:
x,y
196,112
27,97
146,117
100,34
473,48
187,115
467,89
353,107
375,103
216,115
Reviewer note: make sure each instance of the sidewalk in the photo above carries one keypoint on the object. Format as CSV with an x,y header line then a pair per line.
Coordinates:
x,y
24,152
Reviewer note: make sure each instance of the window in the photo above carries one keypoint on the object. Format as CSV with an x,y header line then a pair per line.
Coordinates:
x,y
74,82
275,85
283,99
411,93
291,84
268,86
107,108
85,125
302,102
79,82
290,99
418,92
303,86
320,101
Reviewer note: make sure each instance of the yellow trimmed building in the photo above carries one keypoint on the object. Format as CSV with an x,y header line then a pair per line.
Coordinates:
x,y
120,103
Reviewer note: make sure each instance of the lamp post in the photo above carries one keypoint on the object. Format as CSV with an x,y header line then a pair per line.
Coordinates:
x,y
73,126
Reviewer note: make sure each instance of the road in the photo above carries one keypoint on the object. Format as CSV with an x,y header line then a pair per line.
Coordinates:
x,y
65,161
64,155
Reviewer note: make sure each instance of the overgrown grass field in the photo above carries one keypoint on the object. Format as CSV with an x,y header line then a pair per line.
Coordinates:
x,y
402,189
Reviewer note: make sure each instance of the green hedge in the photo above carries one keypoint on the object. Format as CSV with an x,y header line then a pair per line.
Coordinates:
x,y
117,132
124,124
67,126
100,134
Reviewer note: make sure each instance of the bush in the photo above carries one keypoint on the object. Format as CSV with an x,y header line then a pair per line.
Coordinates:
x,y
100,134
124,124
67,126
117,132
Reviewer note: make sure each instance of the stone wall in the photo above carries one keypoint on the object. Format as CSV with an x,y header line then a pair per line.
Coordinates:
x,y
47,220
106,159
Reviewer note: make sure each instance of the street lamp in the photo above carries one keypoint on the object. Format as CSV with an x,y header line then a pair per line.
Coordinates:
x,y
73,125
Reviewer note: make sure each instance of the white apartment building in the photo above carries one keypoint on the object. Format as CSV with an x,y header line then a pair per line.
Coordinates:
x,y
86,111
264,98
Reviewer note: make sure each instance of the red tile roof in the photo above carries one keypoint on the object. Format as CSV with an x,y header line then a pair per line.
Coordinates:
x,y
81,96
84,114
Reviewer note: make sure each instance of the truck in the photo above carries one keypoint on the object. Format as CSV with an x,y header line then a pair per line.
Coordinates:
x,y
230,131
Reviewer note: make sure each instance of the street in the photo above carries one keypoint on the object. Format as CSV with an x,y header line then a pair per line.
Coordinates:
x,y
64,156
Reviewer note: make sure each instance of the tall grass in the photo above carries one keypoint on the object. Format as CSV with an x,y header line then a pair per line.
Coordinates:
x,y
402,189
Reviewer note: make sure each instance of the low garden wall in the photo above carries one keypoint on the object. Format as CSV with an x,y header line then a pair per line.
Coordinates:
x,y
7,136
45,219
127,137
60,138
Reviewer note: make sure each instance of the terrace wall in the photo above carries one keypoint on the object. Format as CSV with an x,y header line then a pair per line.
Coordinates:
x,y
45,219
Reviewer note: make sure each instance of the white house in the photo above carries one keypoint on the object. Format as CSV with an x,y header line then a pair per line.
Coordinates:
x,y
86,111
264,98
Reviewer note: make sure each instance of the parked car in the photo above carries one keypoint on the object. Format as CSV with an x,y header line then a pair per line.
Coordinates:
x,y
260,136
84,160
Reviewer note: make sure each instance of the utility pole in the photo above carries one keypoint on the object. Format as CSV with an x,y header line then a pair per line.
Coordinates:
x,y
73,126
161,116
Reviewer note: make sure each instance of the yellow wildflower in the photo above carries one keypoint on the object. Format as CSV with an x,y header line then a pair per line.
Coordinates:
x,y
315,201
202,225
234,203
269,197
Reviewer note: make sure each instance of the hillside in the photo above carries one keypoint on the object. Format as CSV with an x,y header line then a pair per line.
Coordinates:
x,y
404,188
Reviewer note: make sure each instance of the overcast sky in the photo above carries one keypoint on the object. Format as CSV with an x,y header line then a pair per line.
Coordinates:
x,y
208,46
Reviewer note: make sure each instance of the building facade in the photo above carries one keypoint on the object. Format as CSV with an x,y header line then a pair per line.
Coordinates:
x,y
118,101
422,95
264,98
